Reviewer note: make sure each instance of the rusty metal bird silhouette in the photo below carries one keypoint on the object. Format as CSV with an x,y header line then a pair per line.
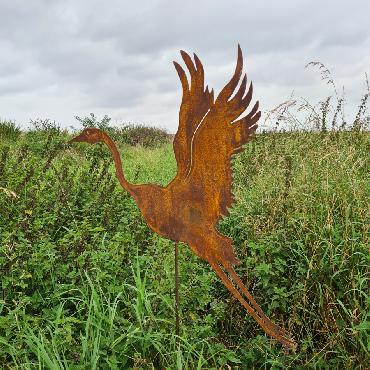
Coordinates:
x,y
188,209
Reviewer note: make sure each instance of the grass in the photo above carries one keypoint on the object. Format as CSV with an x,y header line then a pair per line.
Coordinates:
x,y
86,284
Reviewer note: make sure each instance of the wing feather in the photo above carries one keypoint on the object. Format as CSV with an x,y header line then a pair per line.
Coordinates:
x,y
220,135
195,103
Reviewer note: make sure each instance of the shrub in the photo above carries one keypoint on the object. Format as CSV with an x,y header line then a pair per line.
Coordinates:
x,y
148,137
9,130
131,134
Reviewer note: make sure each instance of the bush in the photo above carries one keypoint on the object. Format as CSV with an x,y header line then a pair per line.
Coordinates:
x,y
9,130
85,283
131,134
145,136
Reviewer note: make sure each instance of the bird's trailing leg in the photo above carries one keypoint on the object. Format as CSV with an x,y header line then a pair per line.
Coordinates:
x,y
254,304
256,312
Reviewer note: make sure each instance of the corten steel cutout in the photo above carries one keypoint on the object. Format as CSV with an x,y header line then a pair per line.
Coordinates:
x,y
190,206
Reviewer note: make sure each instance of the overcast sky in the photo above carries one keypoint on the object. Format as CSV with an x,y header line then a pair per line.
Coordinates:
x,y
64,58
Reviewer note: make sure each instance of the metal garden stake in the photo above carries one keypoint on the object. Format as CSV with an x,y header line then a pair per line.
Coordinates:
x,y
188,209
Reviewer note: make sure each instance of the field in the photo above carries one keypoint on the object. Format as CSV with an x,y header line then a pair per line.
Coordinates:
x,y
85,284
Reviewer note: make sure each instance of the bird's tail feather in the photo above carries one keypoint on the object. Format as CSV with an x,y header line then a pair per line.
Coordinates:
x,y
251,306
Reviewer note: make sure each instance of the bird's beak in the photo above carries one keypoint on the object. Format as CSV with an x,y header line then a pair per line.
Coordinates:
x,y
77,139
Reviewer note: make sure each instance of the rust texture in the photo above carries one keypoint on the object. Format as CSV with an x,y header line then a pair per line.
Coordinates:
x,y
188,209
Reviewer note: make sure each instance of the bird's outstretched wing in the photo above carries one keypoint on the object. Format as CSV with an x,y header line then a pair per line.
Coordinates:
x,y
196,101
209,134
220,134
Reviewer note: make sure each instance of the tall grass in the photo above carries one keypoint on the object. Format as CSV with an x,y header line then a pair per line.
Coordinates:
x,y
9,130
86,284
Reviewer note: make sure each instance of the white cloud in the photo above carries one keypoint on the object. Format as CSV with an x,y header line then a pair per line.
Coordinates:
x,y
65,58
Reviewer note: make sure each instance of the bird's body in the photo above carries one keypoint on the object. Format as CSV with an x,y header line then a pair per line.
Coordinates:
x,y
190,206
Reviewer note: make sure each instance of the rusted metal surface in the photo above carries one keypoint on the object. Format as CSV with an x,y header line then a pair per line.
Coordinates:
x,y
177,294
189,208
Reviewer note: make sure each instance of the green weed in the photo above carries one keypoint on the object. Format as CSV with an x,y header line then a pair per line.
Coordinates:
x,y
86,284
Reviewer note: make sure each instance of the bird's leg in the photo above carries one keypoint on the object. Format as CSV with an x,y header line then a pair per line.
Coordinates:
x,y
254,304
267,328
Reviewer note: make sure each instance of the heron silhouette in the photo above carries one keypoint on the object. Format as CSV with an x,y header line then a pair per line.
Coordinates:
x,y
188,209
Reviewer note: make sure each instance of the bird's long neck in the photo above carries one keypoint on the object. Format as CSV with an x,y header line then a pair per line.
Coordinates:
x,y
118,164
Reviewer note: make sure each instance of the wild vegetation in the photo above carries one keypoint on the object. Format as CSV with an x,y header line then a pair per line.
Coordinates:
x,y
85,284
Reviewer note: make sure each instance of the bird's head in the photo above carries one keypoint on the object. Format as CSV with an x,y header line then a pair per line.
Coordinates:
x,y
89,135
